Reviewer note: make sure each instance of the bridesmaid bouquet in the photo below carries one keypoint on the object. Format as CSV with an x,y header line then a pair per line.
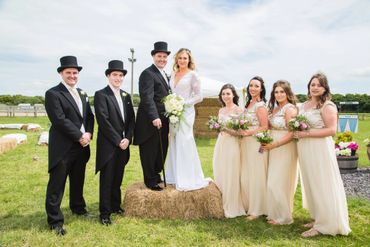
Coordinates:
x,y
214,124
264,137
174,105
237,122
299,123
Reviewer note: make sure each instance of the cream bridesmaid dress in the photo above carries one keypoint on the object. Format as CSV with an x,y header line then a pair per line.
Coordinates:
x,y
282,172
253,169
226,171
323,186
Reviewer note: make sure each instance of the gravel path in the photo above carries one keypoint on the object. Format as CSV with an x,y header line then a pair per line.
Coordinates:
x,y
357,182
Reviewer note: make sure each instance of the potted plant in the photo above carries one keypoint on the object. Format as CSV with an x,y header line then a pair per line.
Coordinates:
x,y
345,149
367,142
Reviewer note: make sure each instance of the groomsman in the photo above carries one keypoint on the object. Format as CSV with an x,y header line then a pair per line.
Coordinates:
x,y
151,132
72,125
116,120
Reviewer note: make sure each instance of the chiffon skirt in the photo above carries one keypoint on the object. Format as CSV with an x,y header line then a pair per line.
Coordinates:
x,y
183,165
323,186
226,171
253,177
281,180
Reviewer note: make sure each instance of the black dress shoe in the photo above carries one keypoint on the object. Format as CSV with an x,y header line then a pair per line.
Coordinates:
x,y
119,211
80,213
59,230
156,188
105,221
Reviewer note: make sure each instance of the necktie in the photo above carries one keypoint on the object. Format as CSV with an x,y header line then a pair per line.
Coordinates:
x,y
77,99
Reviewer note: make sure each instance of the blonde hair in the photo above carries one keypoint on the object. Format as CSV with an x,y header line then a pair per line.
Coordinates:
x,y
191,64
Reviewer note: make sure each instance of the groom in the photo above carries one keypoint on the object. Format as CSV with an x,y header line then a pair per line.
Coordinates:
x,y
151,132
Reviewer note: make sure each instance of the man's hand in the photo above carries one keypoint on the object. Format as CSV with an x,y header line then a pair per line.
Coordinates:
x,y
124,143
157,123
85,139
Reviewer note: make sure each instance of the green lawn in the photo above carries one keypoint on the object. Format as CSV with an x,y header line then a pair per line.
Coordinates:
x,y
23,220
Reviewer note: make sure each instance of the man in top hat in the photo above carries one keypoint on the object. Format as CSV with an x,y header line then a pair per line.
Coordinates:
x,y
151,131
72,125
116,120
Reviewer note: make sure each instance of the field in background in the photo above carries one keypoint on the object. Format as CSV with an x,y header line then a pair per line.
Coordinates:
x,y
23,221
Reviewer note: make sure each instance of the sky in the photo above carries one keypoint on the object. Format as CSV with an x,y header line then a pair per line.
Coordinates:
x,y
231,41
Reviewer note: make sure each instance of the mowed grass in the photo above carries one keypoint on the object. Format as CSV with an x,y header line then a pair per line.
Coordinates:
x,y
23,220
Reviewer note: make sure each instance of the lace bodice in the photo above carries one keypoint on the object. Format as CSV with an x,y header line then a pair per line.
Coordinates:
x,y
313,115
189,87
277,121
251,115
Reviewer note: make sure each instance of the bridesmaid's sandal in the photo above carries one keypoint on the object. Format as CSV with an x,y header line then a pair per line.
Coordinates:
x,y
309,225
311,233
252,217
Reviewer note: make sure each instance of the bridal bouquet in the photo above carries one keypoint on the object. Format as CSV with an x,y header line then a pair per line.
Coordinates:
x,y
237,122
264,137
299,123
214,123
174,105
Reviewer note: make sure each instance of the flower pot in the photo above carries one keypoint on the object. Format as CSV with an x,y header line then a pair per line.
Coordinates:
x,y
347,162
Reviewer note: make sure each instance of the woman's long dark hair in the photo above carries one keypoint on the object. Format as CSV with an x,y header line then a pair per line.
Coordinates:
x,y
263,91
232,88
323,80
285,85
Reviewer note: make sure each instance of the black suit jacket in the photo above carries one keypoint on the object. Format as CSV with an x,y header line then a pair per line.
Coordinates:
x,y
111,126
66,121
152,88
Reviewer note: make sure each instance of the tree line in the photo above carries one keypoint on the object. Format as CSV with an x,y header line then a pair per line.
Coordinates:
x,y
363,99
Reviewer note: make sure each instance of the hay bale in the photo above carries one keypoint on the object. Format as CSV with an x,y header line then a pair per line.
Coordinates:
x,y
20,138
44,138
33,127
170,203
7,144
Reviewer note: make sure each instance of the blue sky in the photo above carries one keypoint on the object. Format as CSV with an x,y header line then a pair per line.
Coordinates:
x,y
231,41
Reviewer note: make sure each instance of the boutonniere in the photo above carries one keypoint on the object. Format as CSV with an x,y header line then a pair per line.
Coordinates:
x,y
124,94
82,92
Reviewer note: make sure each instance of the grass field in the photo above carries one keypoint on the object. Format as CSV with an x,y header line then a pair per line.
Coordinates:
x,y
23,220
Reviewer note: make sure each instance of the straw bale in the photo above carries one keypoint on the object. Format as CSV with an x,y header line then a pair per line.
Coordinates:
x,y
170,203
20,138
7,144
33,127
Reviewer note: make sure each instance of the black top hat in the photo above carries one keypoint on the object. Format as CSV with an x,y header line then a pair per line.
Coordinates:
x,y
115,65
160,46
68,62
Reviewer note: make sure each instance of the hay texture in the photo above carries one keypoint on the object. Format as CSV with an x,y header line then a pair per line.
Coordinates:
x,y
7,144
140,201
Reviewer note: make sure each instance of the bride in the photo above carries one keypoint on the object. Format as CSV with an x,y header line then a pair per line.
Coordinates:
x,y
183,165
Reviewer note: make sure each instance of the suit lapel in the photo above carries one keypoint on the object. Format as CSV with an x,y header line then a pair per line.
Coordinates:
x,y
64,91
125,103
160,77
114,100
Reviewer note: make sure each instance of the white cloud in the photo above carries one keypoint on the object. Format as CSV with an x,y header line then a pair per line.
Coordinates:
x,y
231,42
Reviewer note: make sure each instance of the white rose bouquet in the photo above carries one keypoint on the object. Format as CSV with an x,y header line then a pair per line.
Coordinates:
x,y
174,105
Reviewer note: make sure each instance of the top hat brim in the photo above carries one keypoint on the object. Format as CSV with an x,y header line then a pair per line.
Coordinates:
x,y
108,71
156,51
61,68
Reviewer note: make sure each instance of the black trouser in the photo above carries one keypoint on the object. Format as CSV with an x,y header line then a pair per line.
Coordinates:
x,y
73,166
151,158
111,176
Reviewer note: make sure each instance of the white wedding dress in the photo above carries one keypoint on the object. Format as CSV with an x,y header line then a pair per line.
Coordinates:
x,y
183,165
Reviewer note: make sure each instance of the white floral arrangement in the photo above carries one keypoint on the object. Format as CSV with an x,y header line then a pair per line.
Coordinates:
x,y
174,105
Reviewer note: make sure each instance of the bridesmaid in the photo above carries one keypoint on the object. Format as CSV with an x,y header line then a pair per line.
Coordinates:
x,y
226,156
254,164
323,186
282,170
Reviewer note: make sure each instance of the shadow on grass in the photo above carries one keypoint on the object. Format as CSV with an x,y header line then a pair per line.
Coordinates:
x,y
38,220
